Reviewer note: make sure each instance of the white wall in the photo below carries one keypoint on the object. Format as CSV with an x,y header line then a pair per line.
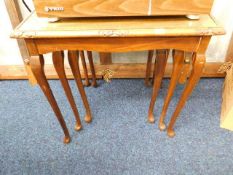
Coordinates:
x,y
9,52
221,11
223,14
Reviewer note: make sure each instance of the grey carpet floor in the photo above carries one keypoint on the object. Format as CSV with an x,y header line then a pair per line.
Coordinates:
x,y
119,141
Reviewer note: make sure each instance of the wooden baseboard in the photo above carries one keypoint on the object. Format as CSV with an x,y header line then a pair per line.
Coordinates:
x,y
17,72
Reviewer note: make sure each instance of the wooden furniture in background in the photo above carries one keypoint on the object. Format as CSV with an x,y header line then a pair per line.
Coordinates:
x,y
226,119
94,8
105,58
106,35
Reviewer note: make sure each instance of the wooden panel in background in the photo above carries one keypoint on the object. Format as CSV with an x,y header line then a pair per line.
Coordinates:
x,y
120,71
90,8
181,7
105,58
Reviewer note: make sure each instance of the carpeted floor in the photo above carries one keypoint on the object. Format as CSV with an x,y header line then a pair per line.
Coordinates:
x,y
119,141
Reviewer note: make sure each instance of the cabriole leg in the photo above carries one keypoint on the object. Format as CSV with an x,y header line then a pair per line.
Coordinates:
x,y
178,62
58,62
198,66
161,57
37,66
74,65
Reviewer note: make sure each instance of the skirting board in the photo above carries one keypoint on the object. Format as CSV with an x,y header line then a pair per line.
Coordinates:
x,y
18,72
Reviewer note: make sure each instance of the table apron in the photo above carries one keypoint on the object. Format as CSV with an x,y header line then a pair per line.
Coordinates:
x,y
117,44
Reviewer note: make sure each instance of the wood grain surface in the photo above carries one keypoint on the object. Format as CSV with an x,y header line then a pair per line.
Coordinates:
x,y
34,27
100,8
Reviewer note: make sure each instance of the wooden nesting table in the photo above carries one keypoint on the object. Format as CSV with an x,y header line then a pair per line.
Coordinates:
x,y
116,35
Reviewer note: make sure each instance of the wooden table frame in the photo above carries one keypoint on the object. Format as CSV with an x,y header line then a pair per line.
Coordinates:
x,y
196,44
114,35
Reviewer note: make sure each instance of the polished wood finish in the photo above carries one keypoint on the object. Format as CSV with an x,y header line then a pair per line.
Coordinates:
x,y
181,7
161,61
178,63
199,60
125,35
124,44
58,62
82,56
34,27
148,67
37,65
100,8
74,65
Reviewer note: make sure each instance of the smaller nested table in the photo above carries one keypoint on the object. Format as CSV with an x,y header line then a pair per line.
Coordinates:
x,y
117,35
